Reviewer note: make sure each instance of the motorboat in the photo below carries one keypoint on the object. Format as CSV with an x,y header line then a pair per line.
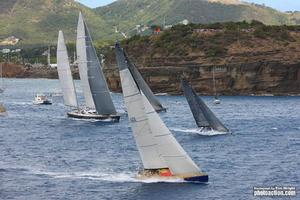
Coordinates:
x,y
41,99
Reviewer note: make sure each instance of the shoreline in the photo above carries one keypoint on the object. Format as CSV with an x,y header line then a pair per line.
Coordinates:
x,y
179,94
282,81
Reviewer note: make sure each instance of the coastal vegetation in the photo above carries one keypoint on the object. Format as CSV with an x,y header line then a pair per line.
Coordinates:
x,y
208,40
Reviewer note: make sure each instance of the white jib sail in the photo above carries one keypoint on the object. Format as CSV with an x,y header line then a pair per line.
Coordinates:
x,y
82,62
139,123
65,74
171,151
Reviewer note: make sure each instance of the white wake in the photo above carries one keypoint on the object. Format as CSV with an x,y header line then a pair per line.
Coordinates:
x,y
129,177
199,131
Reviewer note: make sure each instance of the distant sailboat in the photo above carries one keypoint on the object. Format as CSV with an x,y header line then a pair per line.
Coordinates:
x,y
161,155
2,107
203,116
216,99
98,101
121,54
1,79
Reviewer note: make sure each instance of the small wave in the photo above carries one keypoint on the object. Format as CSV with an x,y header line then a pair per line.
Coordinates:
x,y
274,129
13,169
21,103
200,132
294,141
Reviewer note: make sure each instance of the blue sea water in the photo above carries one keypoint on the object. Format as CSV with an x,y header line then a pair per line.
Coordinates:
x,y
45,155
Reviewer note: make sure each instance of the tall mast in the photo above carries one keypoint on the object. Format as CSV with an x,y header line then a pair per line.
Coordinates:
x,y
1,79
49,57
214,83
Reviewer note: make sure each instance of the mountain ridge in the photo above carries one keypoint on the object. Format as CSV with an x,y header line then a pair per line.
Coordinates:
x,y
37,22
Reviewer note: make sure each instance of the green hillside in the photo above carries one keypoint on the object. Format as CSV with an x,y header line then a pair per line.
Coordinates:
x,y
126,14
36,21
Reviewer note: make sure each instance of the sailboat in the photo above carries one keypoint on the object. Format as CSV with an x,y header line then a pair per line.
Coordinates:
x,y
216,99
2,108
204,117
141,82
98,101
162,156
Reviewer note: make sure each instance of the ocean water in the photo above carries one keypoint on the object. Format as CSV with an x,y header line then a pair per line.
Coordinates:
x,y
45,155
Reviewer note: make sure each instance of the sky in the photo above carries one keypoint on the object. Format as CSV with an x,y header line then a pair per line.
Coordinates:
x,y
282,5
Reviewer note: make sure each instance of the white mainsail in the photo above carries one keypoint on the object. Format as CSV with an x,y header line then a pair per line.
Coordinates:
x,y
82,62
139,123
65,74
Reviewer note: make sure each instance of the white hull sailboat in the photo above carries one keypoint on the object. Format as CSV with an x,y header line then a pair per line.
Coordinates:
x,y
204,117
216,98
162,156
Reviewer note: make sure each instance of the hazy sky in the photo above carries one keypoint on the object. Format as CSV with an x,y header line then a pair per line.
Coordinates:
x,y
283,5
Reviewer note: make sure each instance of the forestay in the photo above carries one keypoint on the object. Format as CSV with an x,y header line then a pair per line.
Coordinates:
x,y
65,74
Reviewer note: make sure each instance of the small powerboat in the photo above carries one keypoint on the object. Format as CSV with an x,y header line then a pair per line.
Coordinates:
x,y
217,100
41,99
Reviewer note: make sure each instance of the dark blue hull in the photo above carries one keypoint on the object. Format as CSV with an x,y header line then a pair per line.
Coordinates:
x,y
198,179
114,118
47,103
161,110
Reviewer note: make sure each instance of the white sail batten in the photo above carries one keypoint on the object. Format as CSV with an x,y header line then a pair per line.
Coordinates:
x,y
139,123
171,151
82,62
65,74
